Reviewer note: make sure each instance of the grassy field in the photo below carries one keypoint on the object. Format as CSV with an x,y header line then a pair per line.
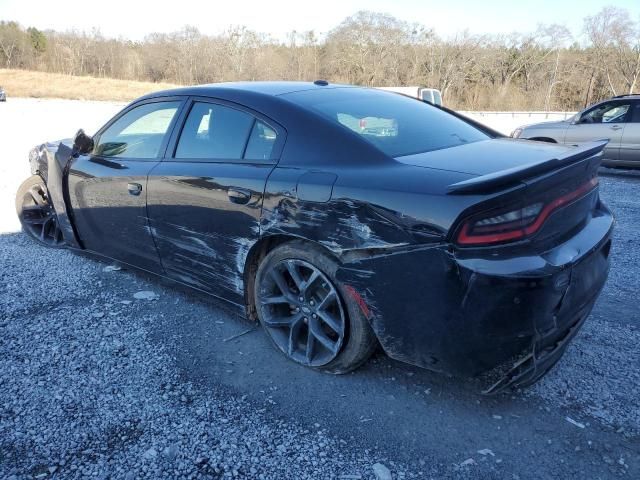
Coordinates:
x,y
26,83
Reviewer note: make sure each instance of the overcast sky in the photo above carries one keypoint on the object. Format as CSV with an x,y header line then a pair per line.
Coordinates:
x,y
135,18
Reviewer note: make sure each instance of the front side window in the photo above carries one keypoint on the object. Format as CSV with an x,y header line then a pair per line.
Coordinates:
x,y
395,124
138,133
214,132
606,113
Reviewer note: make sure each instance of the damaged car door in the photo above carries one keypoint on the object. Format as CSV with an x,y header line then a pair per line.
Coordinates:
x,y
205,197
107,186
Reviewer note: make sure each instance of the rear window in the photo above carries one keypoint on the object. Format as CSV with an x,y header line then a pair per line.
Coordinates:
x,y
214,132
394,123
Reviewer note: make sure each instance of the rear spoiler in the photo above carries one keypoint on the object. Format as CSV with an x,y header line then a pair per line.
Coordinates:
x,y
502,178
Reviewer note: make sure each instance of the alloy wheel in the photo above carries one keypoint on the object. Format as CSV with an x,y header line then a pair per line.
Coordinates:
x,y
302,312
38,217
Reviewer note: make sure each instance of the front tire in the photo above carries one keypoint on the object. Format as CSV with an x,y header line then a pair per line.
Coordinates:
x,y
302,307
36,213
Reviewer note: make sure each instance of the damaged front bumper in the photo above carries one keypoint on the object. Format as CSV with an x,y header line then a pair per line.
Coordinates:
x,y
510,316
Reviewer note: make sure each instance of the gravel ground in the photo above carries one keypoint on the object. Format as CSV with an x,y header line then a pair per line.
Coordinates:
x,y
96,382
85,392
600,374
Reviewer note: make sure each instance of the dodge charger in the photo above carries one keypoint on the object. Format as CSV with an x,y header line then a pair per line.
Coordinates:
x,y
341,219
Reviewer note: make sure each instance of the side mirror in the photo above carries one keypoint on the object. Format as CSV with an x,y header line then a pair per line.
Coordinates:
x,y
82,143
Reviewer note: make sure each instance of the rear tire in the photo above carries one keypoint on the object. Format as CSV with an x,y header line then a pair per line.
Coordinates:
x,y
36,213
307,313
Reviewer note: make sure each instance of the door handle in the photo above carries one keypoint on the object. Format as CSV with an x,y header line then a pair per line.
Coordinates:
x,y
616,127
134,188
239,195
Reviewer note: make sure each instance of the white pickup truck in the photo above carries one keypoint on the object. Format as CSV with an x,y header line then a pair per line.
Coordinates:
x,y
430,95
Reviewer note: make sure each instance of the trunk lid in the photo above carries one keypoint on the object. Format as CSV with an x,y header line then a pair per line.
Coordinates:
x,y
500,162
487,156
511,176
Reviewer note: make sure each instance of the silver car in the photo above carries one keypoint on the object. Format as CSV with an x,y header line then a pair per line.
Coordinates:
x,y
617,119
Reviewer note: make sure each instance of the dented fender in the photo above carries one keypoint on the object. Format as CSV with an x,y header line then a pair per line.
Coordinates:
x,y
465,313
51,161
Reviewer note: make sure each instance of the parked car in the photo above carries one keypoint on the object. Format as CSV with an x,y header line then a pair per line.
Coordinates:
x,y
3,95
616,119
430,95
454,248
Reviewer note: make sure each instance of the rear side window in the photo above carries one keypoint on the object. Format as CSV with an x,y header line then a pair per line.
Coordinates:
x,y
214,132
395,124
138,133
635,115
261,142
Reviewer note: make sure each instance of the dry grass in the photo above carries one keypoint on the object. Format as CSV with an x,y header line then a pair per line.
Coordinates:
x,y
27,83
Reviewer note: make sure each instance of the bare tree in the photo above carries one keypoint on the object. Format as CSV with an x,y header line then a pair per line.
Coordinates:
x,y
12,43
616,42
536,70
553,39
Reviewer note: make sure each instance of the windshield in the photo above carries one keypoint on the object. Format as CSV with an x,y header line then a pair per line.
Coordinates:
x,y
394,123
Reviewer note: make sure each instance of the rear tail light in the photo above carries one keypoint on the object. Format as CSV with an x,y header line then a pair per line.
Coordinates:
x,y
516,224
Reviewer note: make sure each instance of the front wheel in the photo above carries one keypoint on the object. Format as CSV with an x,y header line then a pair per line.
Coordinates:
x,y
303,310
36,213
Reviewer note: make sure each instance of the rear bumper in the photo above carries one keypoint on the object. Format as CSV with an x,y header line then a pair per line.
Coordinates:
x,y
466,314
545,352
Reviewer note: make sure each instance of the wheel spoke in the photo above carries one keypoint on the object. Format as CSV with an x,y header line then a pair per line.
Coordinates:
x,y
327,300
34,221
58,235
280,282
321,337
36,195
312,278
32,208
280,322
294,332
329,320
292,268
310,346
274,300
46,227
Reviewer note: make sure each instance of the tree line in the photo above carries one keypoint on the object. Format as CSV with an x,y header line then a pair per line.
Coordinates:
x,y
546,69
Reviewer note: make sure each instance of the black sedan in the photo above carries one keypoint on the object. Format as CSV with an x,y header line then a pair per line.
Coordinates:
x,y
341,218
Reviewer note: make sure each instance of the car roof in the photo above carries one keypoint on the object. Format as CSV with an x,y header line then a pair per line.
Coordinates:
x,y
617,98
273,89
628,95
